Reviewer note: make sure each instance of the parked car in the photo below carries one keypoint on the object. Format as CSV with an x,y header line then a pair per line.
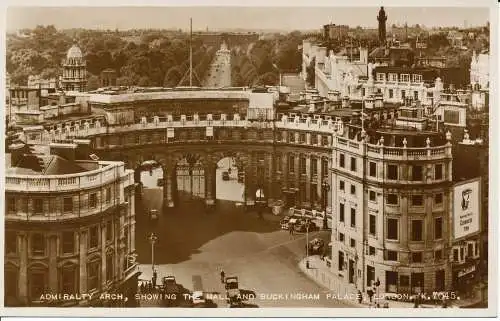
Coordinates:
x,y
315,246
304,224
171,290
284,222
225,176
232,289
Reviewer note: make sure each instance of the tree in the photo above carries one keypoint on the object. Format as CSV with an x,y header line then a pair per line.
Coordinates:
x,y
93,83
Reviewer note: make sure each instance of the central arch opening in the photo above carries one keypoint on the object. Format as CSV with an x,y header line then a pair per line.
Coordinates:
x,y
152,181
229,181
190,181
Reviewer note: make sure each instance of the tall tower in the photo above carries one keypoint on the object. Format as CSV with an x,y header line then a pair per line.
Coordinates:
x,y
382,18
74,76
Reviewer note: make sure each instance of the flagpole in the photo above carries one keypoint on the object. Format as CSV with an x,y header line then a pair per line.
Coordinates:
x,y
190,52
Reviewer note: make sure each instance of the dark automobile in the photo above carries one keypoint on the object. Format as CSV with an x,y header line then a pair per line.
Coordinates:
x,y
304,224
315,246
225,176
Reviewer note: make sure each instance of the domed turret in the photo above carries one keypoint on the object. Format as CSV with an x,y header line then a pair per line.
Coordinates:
x,y
74,53
74,76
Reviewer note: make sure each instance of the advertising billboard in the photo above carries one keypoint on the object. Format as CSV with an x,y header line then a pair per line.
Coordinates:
x,y
466,208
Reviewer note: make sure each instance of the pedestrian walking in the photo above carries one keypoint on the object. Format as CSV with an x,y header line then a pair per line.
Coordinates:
x,y
222,275
290,228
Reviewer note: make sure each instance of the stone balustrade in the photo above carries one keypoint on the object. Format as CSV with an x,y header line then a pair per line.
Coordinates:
x,y
107,173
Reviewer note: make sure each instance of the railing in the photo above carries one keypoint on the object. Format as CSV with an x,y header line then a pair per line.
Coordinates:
x,y
110,172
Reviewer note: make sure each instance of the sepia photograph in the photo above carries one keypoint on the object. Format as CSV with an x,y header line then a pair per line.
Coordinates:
x,y
248,157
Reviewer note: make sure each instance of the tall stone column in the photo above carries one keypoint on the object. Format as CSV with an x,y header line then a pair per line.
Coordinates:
x,y
83,261
103,255
210,181
22,240
168,175
131,212
53,263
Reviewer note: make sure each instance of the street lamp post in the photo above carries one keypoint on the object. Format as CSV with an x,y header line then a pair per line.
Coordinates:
x,y
152,239
326,188
307,246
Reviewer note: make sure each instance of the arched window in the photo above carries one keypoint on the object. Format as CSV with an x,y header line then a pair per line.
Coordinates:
x,y
37,282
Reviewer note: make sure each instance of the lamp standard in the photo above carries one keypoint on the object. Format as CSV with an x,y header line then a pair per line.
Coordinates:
x,y
326,188
307,246
152,239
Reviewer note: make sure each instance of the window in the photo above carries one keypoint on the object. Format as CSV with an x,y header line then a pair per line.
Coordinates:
x,y
451,116
38,244
68,204
93,272
417,200
108,194
438,171
373,169
10,242
342,185
324,167
302,138
37,284
291,137
417,78
403,94
416,173
353,217
470,249
392,172
392,199
455,255
371,250
404,280
405,77
372,196
372,224
38,206
342,160
93,237
291,164
380,76
314,139
370,275
341,237
93,200
68,279
302,165
392,229
415,95
353,164
438,199
341,212
109,231
416,230
109,267
314,166
391,281
416,257
438,255
391,93
341,261
393,77
11,204
353,243
438,228
278,163
353,189
68,242
324,140
392,255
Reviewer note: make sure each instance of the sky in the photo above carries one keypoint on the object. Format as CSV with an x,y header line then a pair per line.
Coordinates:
x,y
219,18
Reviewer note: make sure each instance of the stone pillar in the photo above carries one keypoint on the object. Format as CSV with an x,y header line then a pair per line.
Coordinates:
x,y
22,240
83,261
103,255
308,180
168,174
210,181
53,263
131,213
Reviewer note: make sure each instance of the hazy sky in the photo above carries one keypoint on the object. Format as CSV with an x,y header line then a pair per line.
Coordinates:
x,y
286,18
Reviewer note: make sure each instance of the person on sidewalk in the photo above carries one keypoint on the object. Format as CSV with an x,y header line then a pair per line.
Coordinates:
x,y
290,228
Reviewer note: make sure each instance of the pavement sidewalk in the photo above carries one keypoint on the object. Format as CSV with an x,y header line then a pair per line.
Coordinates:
x,y
322,275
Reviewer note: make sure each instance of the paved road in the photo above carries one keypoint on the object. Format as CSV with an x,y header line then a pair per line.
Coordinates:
x,y
219,74
193,246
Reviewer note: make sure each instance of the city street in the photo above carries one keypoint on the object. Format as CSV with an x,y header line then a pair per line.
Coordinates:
x,y
219,74
193,246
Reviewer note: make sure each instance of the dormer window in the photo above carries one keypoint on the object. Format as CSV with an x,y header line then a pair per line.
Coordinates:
x,y
405,77
380,76
417,78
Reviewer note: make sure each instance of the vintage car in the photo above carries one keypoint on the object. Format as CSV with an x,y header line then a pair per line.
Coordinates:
x,y
304,224
315,246
232,289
